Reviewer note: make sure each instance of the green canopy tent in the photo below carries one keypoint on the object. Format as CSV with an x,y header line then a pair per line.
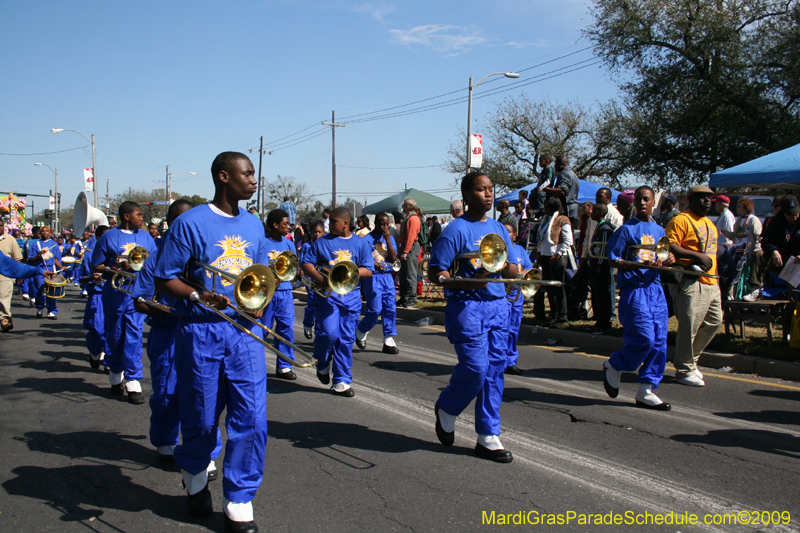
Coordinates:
x,y
429,203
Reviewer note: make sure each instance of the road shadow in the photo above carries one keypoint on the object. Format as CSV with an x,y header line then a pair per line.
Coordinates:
x,y
764,417
576,374
415,367
80,492
759,440
63,387
518,394
779,394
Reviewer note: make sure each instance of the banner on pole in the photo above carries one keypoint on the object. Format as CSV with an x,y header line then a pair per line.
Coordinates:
x,y
52,202
475,151
88,179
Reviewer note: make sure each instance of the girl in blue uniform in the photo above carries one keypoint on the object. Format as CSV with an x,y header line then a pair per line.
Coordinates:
x,y
46,254
337,316
317,230
218,366
476,320
518,256
379,289
93,316
642,306
280,311
123,325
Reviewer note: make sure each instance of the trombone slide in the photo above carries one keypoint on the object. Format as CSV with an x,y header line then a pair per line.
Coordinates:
x,y
674,270
547,283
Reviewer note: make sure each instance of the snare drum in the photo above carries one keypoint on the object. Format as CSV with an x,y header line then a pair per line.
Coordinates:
x,y
56,287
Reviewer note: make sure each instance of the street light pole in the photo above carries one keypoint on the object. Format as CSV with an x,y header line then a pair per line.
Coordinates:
x,y
94,159
58,203
333,126
469,108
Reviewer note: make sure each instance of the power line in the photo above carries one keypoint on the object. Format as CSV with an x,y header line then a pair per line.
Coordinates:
x,y
390,168
59,152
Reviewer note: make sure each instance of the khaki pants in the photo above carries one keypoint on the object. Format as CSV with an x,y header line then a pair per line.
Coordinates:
x,y
698,308
6,290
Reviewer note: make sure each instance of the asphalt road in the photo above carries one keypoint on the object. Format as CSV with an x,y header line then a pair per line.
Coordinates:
x,y
77,459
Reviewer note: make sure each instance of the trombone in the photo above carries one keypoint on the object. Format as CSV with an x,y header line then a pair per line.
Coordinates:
x,y
136,257
123,285
341,278
285,266
253,289
661,251
528,290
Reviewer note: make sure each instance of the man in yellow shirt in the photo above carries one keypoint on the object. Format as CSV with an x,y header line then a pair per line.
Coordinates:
x,y
697,301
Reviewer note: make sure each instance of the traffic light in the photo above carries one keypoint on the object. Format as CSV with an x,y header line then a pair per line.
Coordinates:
x,y
49,214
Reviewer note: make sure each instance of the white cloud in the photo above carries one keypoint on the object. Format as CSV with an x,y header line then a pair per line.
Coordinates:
x,y
378,10
442,38
527,44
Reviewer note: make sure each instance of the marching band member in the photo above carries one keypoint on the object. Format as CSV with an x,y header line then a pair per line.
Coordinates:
x,y
93,316
123,325
379,289
518,256
477,323
337,316
317,230
642,306
48,256
280,311
218,366
16,270
28,294
164,410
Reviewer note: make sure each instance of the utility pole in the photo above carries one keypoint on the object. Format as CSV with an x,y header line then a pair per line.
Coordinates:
x,y
261,199
166,185
333,126
108,202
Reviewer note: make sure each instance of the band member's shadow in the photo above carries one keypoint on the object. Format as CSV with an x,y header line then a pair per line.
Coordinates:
x,y
519,394
80,492
52,366
332,438
415,367
575,374
783,444
765,417
281,386
780,394
65,388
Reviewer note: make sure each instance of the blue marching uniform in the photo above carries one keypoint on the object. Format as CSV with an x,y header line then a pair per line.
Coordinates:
x,y
379,292
337,316
218,366
11,268
477,325
280,311
123,325
308,312
48,262
93,316
642,304
518,256
164,403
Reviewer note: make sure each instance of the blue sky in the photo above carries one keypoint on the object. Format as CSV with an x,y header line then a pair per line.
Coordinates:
x,y
175,83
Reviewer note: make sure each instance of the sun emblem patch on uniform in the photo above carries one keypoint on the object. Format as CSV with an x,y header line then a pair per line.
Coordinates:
x,y
646,255
233,258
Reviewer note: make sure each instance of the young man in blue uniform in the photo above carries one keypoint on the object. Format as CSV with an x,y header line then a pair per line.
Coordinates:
x,y
642,305
47,255
476,320
280,311
379,289
518,256
16,270
218,366
28,252
317,230
337,316
93,316
123,325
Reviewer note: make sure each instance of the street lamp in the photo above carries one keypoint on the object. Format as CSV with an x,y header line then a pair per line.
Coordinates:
x,y
94,158
168,186
58,206
469,109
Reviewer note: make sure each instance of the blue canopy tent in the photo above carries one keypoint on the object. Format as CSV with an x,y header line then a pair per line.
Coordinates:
x,y
777,170
586,193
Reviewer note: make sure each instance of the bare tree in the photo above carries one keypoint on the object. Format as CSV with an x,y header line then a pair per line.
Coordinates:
x,y
285,186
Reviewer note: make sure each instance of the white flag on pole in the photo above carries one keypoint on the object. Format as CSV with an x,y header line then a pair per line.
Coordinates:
x,y
475,151
88,179
52,202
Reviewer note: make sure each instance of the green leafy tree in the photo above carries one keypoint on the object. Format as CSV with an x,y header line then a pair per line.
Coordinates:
x,y
706,84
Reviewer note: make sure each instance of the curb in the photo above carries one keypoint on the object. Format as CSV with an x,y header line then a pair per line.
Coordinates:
x,y
741,364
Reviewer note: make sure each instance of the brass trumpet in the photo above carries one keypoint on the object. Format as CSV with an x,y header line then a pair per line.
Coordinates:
x,y
136,257
123,285
285,266
341,278
253,289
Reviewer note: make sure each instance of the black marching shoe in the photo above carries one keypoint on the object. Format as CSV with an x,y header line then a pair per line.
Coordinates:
x,y
288,376
118,390
663,406
446,438
213,475
514,370
166,458
361,344
324,378
394,350
200,504
94,363
347,393
240,527
611,391
498,456
136,398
